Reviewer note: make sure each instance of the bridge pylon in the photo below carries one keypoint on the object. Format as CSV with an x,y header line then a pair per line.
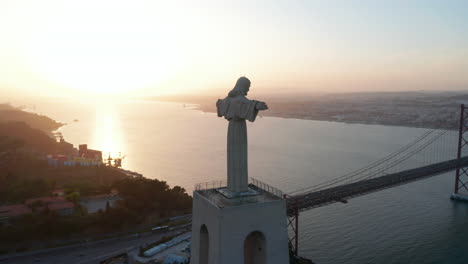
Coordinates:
x,y
293,224
461,176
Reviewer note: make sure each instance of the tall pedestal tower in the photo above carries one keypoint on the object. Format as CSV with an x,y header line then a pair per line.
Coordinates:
x,y
249,229
240,223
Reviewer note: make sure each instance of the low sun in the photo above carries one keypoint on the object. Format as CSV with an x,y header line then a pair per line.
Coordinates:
x,y
101,57
110,66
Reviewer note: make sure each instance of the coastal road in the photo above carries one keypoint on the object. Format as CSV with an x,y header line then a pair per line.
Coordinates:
x,y
92,252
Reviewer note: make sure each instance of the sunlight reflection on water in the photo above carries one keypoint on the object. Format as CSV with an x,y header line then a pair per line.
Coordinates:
x,y
108,136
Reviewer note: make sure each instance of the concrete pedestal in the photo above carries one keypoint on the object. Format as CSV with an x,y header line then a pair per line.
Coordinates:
x,y
249,230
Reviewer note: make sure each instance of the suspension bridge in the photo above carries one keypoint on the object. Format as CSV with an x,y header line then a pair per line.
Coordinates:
x,y
429,155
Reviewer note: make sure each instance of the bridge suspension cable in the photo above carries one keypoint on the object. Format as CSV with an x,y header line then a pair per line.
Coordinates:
x,y
379,167
409,155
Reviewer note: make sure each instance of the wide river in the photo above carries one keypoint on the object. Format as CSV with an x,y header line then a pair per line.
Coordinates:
x,y
414,223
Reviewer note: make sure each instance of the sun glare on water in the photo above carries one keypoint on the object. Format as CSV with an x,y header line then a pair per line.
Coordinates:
x,y
108,135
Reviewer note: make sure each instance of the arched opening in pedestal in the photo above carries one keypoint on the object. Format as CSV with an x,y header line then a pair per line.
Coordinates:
x,y
204,245
255,248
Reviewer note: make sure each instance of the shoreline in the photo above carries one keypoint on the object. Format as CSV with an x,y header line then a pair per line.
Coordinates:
x,y
401,109
199,107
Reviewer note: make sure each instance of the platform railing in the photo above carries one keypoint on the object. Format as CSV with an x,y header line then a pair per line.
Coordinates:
x,y
210,185
266,187
257,184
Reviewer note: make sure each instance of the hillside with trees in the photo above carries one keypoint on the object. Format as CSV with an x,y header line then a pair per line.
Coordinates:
x,y
9,113
25,173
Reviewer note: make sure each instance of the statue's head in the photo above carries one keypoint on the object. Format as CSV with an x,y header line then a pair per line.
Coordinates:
x,y
241,88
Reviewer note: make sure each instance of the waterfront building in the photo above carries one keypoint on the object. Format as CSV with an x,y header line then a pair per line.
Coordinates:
x,y
57,204
84,152
8,212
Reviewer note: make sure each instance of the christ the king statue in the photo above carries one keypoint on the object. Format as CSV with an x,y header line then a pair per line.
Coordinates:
x,y
236,108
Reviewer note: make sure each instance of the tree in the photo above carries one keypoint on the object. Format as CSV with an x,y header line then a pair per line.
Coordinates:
x,y
73,197
107,207
146,196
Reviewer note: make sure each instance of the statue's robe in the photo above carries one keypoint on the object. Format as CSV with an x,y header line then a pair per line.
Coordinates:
x,y
237,110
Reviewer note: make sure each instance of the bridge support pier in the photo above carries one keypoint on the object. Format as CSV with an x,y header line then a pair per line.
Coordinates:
x,y
293,223
461,176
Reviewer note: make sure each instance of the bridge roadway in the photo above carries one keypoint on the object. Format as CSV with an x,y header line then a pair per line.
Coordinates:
x,y
309,200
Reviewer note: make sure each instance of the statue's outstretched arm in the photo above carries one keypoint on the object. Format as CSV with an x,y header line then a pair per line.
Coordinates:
x,y
261,106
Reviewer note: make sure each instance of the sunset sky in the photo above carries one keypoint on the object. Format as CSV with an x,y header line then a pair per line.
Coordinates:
x,y
138,47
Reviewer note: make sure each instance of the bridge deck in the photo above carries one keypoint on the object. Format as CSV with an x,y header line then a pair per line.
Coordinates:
x,y
341,193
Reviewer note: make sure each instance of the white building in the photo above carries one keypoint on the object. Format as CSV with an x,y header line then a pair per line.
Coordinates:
x,y
250,228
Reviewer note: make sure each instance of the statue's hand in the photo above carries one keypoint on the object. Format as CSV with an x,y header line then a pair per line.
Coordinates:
x,y
261,106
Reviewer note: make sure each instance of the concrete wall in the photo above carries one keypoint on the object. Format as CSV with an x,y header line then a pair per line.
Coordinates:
x,y
229,227
204,213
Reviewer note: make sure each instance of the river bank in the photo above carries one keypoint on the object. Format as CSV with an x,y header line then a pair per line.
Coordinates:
x,y
44,203
435,110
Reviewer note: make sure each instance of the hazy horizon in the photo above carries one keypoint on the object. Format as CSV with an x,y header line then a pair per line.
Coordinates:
x,y
153,48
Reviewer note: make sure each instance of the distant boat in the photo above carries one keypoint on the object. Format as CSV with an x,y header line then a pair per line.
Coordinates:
x,y
76,120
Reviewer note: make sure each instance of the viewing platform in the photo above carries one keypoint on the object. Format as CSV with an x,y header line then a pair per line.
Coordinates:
x,y
230,227
217,193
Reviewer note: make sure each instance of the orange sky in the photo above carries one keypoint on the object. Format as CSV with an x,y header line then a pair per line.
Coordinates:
x,y
170,47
